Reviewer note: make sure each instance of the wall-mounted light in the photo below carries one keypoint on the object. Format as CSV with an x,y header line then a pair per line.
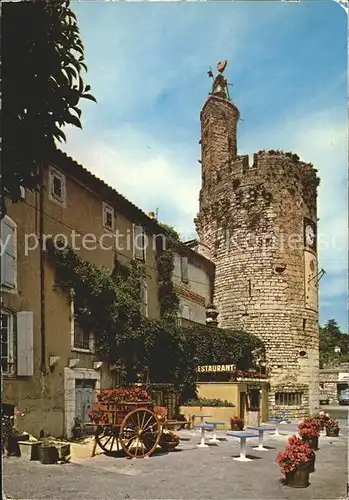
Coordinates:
x,y
97,365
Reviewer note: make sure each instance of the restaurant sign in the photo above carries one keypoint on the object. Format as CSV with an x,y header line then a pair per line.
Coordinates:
x,y
216,368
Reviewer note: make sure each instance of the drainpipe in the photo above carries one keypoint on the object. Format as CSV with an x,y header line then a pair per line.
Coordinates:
x,y
42,272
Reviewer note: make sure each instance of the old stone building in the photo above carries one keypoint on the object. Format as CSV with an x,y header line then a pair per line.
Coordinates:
x,y
258,221
50,367
193,277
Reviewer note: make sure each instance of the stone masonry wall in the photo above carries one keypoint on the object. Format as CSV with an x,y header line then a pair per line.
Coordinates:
x,y
251,217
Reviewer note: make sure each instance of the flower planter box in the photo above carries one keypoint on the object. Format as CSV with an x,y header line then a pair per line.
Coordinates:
x,y
48,454
63,450
332,432
236,427
29,449
313,442
312,464
168,445
298,478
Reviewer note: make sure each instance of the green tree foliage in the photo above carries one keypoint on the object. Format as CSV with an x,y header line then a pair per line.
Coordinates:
x,y
330,337
42,61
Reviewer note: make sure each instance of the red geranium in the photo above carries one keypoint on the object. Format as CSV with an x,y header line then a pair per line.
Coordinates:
x,y
296,454
309,428
114,396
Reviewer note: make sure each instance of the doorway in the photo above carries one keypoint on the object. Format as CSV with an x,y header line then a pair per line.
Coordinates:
x,y
242,405
84,398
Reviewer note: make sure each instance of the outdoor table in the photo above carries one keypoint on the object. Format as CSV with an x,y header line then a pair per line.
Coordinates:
x,y
203,427
243,436
214,423
277,421
202,417
261,429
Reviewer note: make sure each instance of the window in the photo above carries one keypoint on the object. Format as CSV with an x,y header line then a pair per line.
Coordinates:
x,y
288,398
144,299
139,243
6,327
108,216
184,269
82,338
57,186
8,254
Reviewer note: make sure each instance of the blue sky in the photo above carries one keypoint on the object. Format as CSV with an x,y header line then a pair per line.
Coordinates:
x,y
148,66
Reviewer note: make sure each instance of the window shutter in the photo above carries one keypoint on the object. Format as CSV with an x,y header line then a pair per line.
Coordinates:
x,y
25,343
186,312
138,243
8,257
184,269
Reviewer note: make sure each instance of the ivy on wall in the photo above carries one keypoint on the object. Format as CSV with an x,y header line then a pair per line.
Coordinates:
x,y
108,303
168,299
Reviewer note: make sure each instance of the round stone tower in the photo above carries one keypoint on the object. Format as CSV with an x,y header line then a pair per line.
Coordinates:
x,y
259,222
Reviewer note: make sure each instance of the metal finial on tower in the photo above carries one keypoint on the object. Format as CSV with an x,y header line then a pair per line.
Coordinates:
x,y
220,83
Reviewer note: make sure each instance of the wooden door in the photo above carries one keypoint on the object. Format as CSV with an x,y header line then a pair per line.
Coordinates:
x,y
84,398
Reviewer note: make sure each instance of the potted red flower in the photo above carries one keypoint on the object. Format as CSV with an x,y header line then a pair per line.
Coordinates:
x,y
236,423
309,431
332,428
161,413
295,463
168,440
322,417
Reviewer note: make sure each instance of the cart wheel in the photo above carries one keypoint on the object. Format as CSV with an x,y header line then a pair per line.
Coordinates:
x,y
107,438
140,433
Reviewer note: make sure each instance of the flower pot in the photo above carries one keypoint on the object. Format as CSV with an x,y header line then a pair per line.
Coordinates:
x,y
237,427
298,478
332,432
312,464
313,442
63,450
29,449
48,454
12,447
168,445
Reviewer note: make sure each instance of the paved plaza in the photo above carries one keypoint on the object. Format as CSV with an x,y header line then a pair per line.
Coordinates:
x,y
189,473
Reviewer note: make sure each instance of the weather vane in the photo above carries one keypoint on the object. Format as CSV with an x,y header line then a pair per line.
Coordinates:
x,y
220,83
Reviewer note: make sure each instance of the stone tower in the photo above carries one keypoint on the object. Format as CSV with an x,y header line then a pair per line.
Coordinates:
x,y
259,222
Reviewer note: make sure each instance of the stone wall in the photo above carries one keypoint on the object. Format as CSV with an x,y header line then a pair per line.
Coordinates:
x,y
252,219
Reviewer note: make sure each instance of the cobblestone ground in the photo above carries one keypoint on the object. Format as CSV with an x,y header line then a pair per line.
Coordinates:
x,y
189,473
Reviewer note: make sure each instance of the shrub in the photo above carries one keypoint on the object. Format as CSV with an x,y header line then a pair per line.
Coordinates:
x,y
208,402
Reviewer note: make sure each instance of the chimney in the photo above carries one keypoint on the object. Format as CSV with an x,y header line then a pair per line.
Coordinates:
x,y
152,215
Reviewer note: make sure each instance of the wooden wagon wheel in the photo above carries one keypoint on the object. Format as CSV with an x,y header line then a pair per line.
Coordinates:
x,y
140,433
107,437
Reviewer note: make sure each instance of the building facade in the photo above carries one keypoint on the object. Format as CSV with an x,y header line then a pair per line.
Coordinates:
x,y
333,380
50,367
259,223
193,278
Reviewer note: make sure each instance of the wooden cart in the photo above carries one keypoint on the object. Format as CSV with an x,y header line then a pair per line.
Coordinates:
x,y
133,426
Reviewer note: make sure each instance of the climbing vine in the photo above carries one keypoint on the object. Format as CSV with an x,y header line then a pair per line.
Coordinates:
x,y
108,303
168,299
